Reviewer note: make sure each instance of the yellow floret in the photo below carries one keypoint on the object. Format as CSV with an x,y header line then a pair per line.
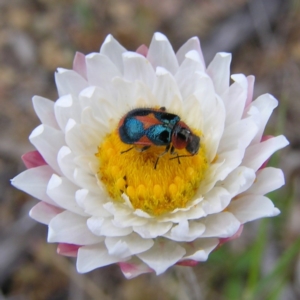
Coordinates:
x,y
156,191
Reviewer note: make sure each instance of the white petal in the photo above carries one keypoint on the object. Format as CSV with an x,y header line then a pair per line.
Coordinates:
x,y
161,53
92,203
166,91
226,162
82,139
127,202
142,214
238,181
213,113
132,95
185,231
267,180
94,256
62,191
213,130
238,135
232,159
257,154
192,113
205,94
152,229
86,180
193,213
221,225
65,160
216,200
235,98
210,178
200,249
241,79
265,104
117,210
137,67
34,182
128,218
127,245
44,212
106,109
44,108
88,163
66,108
48,141
70,228
251,80
69,82
100,70
186,76
251,207
105,227
89,118
162,255
118,249
91,96
219,71
112,208
113,50
193,44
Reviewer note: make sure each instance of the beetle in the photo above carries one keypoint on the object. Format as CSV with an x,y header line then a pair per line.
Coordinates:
x,y
150,126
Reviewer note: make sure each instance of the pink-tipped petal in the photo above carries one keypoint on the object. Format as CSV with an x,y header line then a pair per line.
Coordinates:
x,y
266,137
79,64
131,270
235,236
188,263
68,249
33,159
143,50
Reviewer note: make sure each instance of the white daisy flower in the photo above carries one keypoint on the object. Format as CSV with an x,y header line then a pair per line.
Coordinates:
x,y
149,158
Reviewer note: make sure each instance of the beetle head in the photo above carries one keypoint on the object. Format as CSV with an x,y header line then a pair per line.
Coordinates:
x,y
193,144
183,137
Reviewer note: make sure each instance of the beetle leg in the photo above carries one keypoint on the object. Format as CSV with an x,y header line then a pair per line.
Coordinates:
x,y
137,149
160,155
127,150
143,148
172,152
178,156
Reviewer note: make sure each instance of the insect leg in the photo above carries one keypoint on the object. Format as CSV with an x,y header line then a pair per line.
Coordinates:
x,y
172,152
127,150
143,148
137,149
178,156
160,155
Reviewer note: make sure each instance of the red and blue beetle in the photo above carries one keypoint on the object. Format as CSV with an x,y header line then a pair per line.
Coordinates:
x,y
150,126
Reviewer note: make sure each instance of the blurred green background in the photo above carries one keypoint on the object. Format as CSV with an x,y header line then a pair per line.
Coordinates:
x,y
37,36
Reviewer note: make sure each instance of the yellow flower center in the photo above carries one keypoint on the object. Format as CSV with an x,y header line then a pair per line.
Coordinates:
x,y
172,184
